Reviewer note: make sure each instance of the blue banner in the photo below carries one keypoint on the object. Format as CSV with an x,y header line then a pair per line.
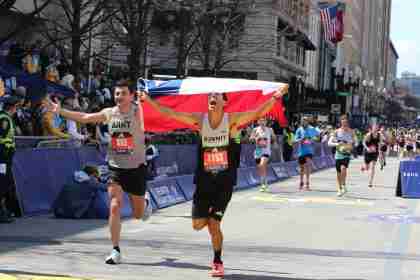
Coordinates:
x,y
186,183
280,169
166,192
409,177
293,168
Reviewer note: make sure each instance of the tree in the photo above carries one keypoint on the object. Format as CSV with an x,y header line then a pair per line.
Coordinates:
x,y
77,22
26,19
220,31
130,26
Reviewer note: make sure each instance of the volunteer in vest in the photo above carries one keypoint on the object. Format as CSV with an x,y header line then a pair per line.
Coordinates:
x,y
126,157
305,137
7,150
371,144
263,136
344,140
216,171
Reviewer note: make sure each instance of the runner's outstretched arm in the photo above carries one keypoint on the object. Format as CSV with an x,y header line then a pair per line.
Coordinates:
x,y
187,118
73,115
239,119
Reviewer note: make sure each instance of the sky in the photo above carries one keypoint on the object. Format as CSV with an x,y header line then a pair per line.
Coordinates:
x,y
406,35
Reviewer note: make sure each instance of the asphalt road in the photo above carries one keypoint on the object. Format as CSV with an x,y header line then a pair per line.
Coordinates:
x,y
282,235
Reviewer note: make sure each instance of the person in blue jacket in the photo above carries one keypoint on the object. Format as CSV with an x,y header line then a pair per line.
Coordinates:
x,y
305,137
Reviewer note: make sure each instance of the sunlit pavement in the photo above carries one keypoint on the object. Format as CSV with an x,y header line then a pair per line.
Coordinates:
x,y
282,235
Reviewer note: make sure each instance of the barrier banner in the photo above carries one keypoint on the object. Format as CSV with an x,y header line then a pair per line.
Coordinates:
x,y
166,192
251,176
40,175
280,170
409,179
176,160
321,162
314,165
100,206
242,179
293,168
186,183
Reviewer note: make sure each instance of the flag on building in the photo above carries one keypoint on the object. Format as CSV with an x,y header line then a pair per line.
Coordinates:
x,y
190,95
332,18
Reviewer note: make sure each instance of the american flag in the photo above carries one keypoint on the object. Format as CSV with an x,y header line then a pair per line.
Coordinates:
x,y
332,21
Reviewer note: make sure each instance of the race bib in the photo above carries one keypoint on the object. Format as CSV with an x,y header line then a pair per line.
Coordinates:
x,y
372,149
307,142
215,160
122,143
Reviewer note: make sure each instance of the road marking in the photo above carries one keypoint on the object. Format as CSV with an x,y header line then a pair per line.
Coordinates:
x,y
317,200
36,277
393,268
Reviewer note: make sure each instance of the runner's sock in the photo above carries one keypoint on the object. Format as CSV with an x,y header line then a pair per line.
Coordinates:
x,y
117,248
217,256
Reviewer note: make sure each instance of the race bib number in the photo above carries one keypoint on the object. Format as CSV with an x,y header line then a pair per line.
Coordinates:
x,y
307,142
122,143
372,149
262,143
215,160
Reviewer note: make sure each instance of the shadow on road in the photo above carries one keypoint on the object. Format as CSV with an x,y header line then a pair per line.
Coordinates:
x,y
173,263
268,277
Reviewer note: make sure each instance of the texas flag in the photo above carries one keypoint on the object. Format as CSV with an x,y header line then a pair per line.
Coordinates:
x,y
190,95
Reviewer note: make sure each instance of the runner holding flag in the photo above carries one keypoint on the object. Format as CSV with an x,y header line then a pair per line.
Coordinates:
x,y
216,161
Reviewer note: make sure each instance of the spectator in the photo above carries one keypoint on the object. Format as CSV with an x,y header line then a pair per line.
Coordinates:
x,y
51,124
70,126
16,55
8,200
151,154
288,140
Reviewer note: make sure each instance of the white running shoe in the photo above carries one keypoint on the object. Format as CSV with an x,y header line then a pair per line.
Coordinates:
x,y
339,193
344,190
148,209
114,258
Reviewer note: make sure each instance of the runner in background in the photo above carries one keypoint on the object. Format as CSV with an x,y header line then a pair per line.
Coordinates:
x,y
343,139
383,149
371,143
263,137
305,137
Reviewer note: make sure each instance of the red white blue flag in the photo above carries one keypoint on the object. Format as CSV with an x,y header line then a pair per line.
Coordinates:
x,y
190,95
332,18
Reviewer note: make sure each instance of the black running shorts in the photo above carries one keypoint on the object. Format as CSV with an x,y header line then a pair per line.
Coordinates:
x,y
342,162
258,160
304,159
132,181
211,197
369,157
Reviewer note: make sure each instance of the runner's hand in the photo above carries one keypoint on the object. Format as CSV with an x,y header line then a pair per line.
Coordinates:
x,y
51,106
142,96
281,91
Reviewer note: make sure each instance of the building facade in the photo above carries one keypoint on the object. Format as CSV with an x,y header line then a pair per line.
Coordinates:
x,y
392,66
411,81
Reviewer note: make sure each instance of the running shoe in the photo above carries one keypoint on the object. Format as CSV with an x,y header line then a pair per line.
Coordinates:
x,y
114,257
217,270
344,190
339,193
147,210
263,188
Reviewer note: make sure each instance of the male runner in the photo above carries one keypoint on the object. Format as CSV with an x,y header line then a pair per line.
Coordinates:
x,y
343,139
305,137
263,135
126,157
214,176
